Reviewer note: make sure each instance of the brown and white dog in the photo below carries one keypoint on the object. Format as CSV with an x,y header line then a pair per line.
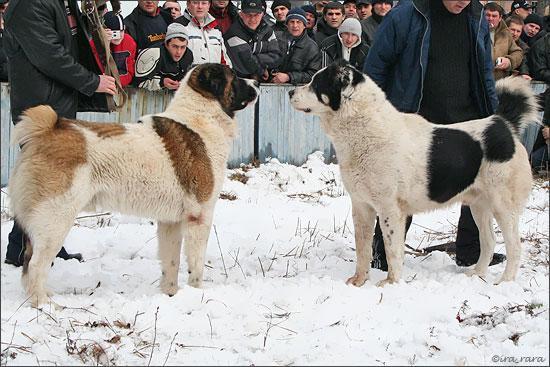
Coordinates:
x,y
169,167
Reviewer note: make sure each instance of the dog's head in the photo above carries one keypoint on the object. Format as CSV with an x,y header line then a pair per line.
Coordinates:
x,y
328,90
219,82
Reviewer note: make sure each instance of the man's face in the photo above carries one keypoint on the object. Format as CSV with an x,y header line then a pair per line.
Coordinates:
x,y
252,20
280,13
176,48
175,9
516,30
220,4
493,17
523,13
350,10
455,7
150,7
198,9
295,27
349,39
310,20
364,11
381,9
334,17
531,29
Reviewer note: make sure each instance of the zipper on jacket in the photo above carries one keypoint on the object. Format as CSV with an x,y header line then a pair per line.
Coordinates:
x,y
421,50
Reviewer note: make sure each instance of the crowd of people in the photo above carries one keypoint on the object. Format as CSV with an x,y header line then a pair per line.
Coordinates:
x,y
436,58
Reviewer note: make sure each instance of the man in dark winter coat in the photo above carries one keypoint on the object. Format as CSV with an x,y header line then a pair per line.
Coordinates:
x,y
3,58
333,16
280,9
225,12
301,56
44,41
347,45
434,58
173,59
379,10
147,24
533,29
311,16
251,43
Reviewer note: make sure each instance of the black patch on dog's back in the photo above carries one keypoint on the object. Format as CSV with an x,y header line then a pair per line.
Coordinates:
x,y
498,141
453,163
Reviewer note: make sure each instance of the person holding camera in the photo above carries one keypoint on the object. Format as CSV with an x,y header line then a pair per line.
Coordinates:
x,y
123,48
507,55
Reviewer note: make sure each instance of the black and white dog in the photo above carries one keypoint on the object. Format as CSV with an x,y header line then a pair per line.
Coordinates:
x,y
395,164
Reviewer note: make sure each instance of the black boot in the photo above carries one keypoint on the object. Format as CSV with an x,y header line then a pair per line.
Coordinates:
x,y
467,241
16,247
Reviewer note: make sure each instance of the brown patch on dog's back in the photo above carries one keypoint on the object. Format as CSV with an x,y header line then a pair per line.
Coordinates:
x,y
189,157
103,130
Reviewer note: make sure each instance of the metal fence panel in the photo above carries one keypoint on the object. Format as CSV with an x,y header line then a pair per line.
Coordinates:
x,y
287,134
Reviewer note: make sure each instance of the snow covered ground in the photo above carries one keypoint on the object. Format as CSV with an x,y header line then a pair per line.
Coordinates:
x,y
274,292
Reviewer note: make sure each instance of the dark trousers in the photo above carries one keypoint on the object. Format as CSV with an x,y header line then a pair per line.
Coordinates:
x,y
467,237
16,245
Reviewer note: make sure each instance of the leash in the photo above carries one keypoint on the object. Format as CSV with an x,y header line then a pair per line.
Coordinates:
x,y
89,8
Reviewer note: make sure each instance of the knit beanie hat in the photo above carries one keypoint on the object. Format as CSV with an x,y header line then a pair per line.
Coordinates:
x,y
297,13
311,10
113,21
382,1
176,30
350,25
277,3
534,18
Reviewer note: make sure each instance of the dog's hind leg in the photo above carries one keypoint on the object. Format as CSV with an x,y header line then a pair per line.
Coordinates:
x,y
170,236
393,230
508,222
484,221
46,235
195,234
364,217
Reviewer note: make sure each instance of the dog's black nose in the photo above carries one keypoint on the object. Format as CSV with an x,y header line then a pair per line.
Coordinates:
x,y
291,93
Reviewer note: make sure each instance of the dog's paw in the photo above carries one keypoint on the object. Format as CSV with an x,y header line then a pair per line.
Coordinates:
x,y
168,287
505,278
40,299
475,273
194,281
358,279
382,283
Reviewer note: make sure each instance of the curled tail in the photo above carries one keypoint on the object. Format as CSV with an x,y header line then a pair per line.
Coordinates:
x,y
34,122
517,103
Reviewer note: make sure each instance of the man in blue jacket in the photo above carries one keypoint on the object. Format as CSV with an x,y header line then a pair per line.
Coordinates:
x,y
434,58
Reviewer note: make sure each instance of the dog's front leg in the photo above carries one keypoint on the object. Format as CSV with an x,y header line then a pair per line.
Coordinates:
x,y
196,233
393,229
169,236
364,217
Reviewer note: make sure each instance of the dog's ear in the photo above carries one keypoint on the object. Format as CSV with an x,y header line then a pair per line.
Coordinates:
x,y
348,75
210,80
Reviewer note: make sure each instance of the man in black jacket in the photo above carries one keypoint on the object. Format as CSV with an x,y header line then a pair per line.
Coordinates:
x,y
333,16
172,61
347,44
251,43
44,41
301,56
3,59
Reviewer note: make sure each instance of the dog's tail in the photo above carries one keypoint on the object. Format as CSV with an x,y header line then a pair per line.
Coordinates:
x,y
34,122
517,103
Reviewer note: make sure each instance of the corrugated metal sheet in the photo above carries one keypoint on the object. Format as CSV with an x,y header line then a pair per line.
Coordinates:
x,y
287,134
282,133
